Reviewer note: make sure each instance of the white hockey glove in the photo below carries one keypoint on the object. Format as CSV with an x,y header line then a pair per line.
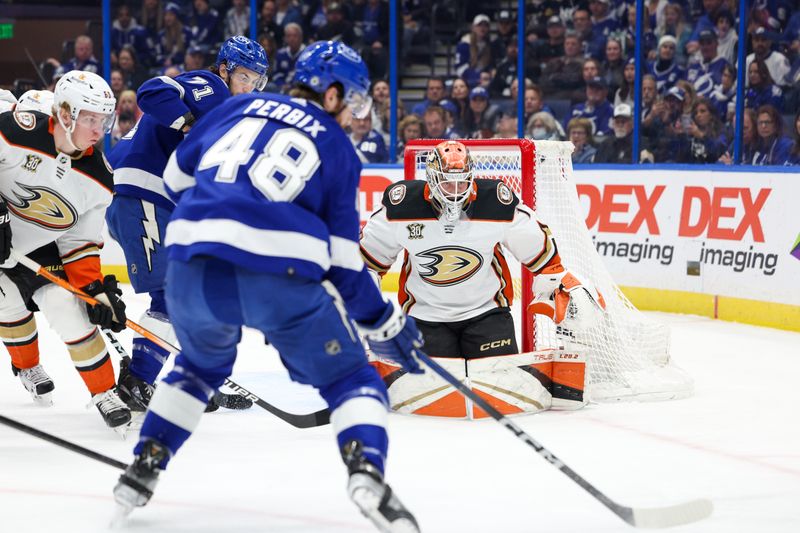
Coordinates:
x,y
562,297
395,336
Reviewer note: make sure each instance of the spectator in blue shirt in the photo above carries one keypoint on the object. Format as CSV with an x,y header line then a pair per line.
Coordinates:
x,y
286,57
762,90
772,147
665,69
593,43
482,116
174,39
603,20
580,133
724,95
474,51
434,92
794,154
83,60
596,108
368,143
125,31
286,12
337,27
706,72
206,25
705,22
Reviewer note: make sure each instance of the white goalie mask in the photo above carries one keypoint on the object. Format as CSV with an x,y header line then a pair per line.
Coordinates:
x,y
85,91
448,169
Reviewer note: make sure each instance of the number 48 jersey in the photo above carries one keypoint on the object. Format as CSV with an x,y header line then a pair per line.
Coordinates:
x,y
270,183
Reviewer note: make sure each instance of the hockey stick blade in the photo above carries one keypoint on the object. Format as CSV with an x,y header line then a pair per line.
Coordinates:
x,y
91,454
671,516
652,518
310,420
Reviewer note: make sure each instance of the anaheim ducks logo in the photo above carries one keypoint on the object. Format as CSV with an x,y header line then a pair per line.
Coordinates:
x,y
42,206
449,265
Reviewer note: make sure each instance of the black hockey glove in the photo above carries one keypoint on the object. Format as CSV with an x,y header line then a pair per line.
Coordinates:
x,y
110,311
5,232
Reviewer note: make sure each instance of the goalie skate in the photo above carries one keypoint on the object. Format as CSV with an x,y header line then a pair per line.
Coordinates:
x,y
374,498
37,383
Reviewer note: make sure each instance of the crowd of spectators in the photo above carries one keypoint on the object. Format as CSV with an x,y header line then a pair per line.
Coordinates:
x,y
579,70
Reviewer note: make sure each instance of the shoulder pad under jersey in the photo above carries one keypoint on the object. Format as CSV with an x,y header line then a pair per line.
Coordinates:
x,y
494,201
405,200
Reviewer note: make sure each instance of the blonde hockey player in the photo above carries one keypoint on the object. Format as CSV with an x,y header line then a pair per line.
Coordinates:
x,y
454,279
55,188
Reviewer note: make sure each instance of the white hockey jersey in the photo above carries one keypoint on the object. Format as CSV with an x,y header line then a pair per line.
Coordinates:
x,y
447,277
52,197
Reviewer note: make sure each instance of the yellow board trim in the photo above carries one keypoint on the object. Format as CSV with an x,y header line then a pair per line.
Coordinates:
x,y
120,271
755,312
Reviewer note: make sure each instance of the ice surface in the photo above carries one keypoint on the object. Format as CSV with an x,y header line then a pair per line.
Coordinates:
x,y
736,441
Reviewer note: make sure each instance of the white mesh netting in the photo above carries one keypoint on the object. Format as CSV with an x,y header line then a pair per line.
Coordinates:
x,y
628,354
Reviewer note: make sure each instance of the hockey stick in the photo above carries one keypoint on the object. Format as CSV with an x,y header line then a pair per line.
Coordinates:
x,y
236,402
319,418
656,517
36,68
63,443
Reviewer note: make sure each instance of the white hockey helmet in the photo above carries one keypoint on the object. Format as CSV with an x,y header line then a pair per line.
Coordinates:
x,y
85,91
41,101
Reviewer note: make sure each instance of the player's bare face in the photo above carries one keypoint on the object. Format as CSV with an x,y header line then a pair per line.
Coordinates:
x,y
89,129
243,81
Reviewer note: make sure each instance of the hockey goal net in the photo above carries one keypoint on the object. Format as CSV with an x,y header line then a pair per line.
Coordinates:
x,y
628,354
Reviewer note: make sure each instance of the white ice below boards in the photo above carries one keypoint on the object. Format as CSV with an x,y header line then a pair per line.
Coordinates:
x,y
736,441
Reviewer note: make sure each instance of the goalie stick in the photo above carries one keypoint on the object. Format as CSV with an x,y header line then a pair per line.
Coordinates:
x,y
91,454
654,518
318,418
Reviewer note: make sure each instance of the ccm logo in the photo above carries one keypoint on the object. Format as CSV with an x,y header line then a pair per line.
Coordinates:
x,y
495,344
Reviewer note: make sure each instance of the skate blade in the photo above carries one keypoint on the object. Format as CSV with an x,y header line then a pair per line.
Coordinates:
x,y
44,400
368,503
120,516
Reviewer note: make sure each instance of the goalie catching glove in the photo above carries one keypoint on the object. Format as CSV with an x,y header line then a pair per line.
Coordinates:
x,y
109,312
395,336
567,300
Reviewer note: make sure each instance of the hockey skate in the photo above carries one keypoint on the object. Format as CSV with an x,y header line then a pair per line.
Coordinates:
x,y
37,382
373,496
135,486
135,392
113,410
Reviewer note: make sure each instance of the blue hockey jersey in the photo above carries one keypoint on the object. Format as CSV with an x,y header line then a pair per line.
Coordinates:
x,y
139,158
270,183
706,76
372,148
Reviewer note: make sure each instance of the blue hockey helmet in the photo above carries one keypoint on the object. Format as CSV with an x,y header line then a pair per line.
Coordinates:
x,y
239,51
324,63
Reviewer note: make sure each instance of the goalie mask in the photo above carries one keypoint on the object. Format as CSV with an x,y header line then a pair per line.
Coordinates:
x,y
450,179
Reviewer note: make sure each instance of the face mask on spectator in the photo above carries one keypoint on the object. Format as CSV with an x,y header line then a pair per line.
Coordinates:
x,y
539,133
